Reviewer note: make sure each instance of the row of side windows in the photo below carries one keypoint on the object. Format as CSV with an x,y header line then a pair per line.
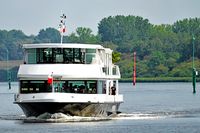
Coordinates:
x,y
84,87
59,55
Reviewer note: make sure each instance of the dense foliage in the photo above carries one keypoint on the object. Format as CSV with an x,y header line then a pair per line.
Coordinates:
x,y
162,50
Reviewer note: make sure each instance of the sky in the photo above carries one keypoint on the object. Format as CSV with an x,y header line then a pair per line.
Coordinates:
x,y
31,16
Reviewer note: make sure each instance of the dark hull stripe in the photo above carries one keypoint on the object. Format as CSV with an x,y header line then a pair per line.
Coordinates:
x,y
74,109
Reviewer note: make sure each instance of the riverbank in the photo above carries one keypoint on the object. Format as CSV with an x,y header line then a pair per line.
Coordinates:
x,y
160,79
148,79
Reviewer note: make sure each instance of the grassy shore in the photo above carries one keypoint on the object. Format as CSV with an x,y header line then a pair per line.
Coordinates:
x,y
10,64
154,79
160,79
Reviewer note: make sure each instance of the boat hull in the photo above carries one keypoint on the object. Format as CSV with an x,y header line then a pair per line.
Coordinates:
x,y
73,109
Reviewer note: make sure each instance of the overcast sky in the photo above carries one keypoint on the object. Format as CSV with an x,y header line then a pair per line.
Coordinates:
x,y
32,15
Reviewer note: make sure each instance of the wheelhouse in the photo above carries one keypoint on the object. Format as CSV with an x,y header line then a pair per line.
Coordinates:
x,y
66,54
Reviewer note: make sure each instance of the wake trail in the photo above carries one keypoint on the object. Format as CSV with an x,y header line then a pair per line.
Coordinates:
x,y
63,118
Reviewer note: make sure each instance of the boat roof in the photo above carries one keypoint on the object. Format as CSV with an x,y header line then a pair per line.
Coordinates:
x,y
63,45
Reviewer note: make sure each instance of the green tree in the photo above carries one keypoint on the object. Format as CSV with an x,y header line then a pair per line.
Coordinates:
x,y
190,26
116,57
48,35
155,59
83,35
161,70
119,29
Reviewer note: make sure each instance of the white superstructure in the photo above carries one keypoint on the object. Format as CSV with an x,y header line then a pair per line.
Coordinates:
x,y
83,75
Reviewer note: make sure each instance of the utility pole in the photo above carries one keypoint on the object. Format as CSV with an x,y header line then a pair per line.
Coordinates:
x,y
193,67
8,72
134,68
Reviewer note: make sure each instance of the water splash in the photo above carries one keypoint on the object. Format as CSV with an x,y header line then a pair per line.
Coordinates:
x,y
160,115
137,116
63,118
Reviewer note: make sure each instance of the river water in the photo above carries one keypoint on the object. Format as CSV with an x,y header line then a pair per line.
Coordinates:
x,y
147,108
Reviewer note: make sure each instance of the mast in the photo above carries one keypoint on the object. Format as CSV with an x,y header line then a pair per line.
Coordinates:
x,y
62,27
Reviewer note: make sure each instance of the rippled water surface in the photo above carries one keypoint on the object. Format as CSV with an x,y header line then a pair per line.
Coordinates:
x,y
147,108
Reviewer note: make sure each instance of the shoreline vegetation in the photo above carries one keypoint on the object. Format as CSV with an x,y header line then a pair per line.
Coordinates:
x,y
159,79
152,79
15,64
164,52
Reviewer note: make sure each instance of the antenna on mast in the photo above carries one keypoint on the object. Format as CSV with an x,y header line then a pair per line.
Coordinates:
x,y
62,27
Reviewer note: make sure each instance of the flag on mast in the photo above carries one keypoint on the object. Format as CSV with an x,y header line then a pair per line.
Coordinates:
x,y
62,27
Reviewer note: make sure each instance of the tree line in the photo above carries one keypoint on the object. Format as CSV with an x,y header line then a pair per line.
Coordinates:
x,y
162,50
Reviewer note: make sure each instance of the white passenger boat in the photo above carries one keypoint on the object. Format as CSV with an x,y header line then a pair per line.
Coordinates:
x,y
74,79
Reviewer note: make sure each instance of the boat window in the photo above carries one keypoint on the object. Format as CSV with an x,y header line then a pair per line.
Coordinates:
x,y
59,86
68,55
74,55
69,86
90,55
34,87
24,87
47,55
84,87
76,87
44,55
40,55
77,55
59,55
101,87
31,56
92,86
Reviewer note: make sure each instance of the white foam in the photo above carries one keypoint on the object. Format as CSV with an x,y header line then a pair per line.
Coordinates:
x,y
136,116
61,118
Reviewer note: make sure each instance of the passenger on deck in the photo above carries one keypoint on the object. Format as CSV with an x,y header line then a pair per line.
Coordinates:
x,y
71,88
81,89
76,89
94,91
113,90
